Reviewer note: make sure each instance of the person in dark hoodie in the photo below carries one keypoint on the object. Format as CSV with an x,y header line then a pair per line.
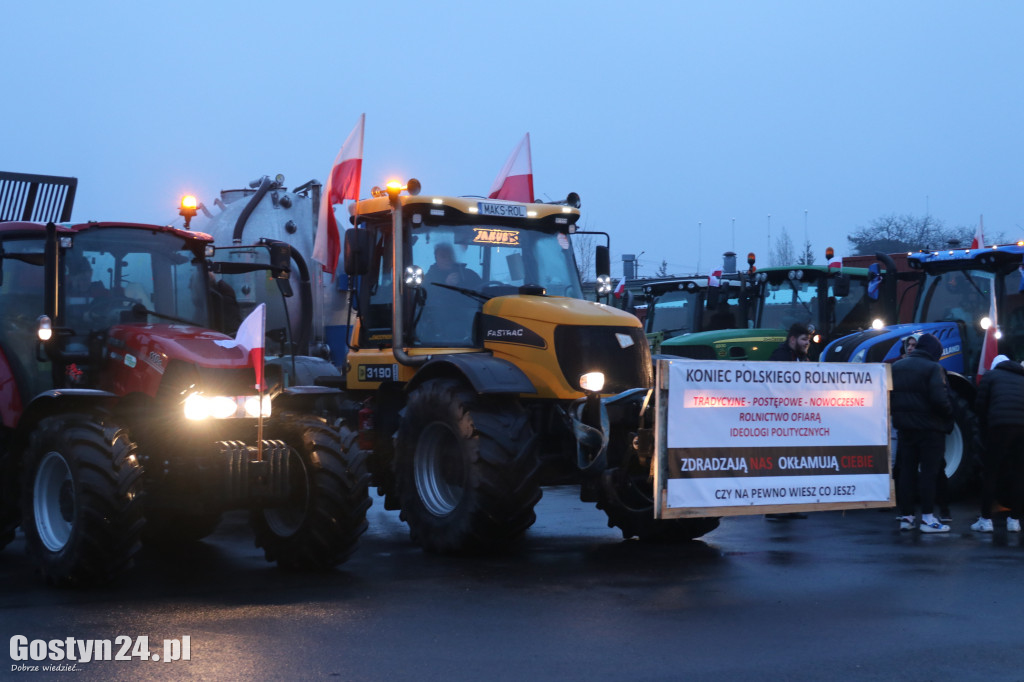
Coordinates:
x,y
922,414
1000,409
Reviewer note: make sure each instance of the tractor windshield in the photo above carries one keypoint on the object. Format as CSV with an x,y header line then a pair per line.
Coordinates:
x,y
787,302
464,265
113,275
960,295
674,312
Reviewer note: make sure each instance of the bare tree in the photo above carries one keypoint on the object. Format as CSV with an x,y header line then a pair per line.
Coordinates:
x,y
663,269
782,250
893,234
583,247
807,258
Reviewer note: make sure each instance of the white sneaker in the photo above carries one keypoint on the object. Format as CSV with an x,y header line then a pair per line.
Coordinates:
x,y
907,523
933,527
985,525
1013,525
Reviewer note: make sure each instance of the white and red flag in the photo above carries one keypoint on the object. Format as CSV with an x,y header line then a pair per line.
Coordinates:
x,y
515,181
990,346
715,278
250,336
620,288
979,235
834,261
342,183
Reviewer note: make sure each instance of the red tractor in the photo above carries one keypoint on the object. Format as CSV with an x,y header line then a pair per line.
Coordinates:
x,y
127,417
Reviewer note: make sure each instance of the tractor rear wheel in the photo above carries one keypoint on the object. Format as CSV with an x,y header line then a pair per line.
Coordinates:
x,y
961,469
81,503
319,526
465,468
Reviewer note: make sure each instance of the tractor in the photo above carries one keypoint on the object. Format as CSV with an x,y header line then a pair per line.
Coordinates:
x,y
482,374
129,415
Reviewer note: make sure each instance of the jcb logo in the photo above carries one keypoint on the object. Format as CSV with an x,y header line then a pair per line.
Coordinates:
x,y
503,237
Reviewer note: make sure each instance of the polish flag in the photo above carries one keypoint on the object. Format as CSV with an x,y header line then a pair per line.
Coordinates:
x,y
979,235
990,346
834,261
343,183
620,288
250,338
715,278
515,181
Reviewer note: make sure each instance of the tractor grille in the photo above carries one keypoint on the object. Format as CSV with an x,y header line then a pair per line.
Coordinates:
x,y
582,349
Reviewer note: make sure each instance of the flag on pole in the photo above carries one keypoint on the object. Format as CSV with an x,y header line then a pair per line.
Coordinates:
x,y
342,183
834,261
620,288
250,338
990,346
515,181
715,278
979,235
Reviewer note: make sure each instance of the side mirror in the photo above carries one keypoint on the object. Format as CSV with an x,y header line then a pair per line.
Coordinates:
x,y
602,261
358,248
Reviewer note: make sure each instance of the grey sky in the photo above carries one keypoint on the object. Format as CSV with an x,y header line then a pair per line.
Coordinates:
x,y
659,114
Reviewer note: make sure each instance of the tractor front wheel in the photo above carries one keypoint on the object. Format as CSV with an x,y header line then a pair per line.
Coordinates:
x,y
81,505
465,468
320,524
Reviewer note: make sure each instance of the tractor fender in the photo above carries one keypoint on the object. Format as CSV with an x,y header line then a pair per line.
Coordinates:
x,y
962,386
487,374
60,400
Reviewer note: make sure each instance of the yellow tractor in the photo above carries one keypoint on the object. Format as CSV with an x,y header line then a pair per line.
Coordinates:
x,y
478,373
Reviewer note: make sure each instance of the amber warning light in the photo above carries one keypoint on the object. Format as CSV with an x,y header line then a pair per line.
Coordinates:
x,y
189,207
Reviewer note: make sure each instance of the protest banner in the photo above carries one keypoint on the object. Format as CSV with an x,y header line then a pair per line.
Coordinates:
x,y
755,437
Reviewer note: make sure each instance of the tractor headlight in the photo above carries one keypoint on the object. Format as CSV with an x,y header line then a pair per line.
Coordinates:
x,y
199,407
604,285
252,406
986,322
592,382
877,323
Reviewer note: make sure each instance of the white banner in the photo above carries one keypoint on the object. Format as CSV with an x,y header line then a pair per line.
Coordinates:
x,y
723,404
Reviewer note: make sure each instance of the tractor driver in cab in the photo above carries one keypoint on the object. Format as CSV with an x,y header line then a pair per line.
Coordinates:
x,y
447,315
447,270
80,281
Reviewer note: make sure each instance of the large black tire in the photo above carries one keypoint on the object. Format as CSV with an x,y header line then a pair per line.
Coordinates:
x,y
320,525
81,502
961,457
627,499
10,516
465,469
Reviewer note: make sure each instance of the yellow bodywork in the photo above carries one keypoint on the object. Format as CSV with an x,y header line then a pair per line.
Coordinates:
x,y
539,314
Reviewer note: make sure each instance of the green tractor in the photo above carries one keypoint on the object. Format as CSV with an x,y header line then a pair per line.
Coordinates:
x,y
832,301
680,306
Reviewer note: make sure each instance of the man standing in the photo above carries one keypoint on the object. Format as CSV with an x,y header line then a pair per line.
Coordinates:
x,y
794,348
922,414
1000,409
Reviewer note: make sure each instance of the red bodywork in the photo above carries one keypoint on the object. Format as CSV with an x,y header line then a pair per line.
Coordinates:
x,y
136,360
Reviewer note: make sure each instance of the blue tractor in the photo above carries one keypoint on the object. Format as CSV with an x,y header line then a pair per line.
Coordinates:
x,y
961,293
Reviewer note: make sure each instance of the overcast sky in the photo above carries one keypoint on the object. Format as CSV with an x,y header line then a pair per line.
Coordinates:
x,y
672,120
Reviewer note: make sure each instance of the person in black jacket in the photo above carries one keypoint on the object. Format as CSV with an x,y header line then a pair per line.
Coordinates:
x,y
1000,409
922,414
794,348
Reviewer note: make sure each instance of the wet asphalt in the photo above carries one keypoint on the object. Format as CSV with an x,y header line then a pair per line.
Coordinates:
x,y
839,595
